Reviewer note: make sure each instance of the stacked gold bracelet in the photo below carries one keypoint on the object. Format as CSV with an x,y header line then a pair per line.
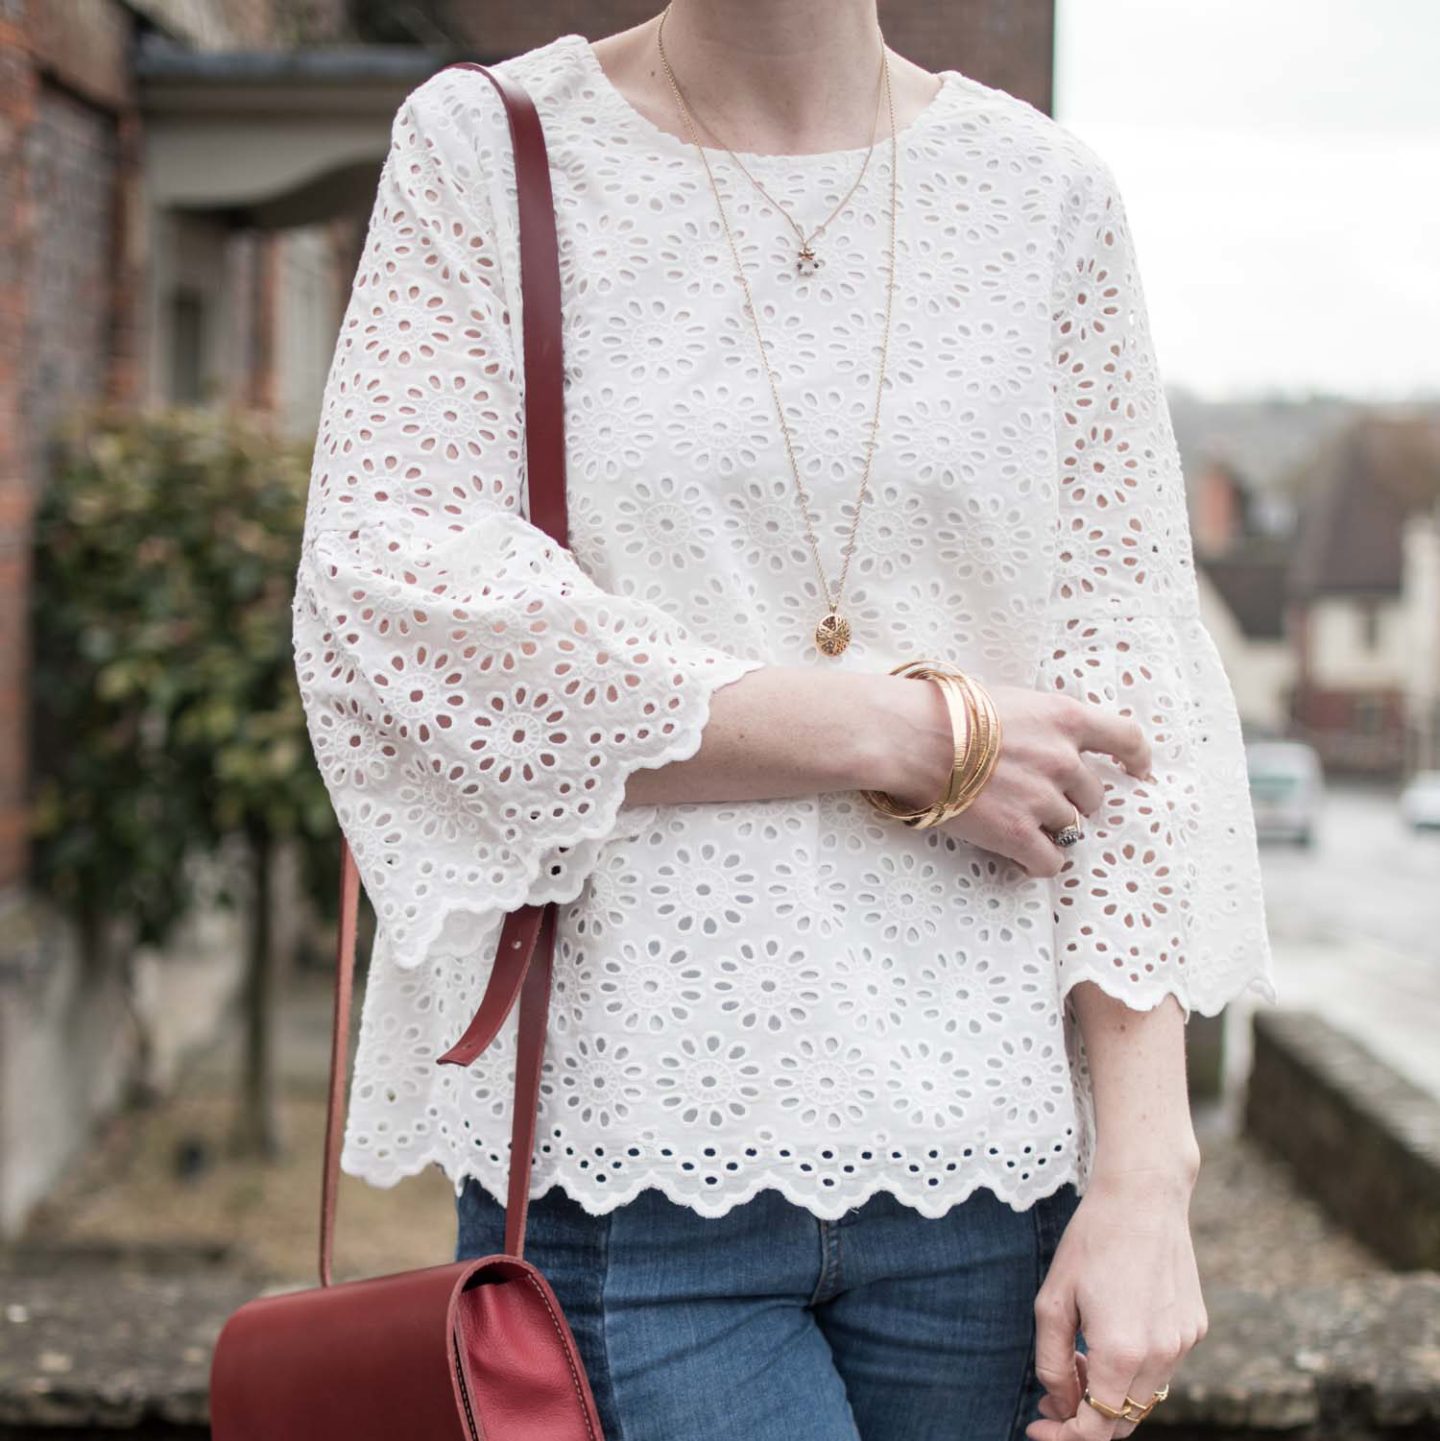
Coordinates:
x,y
976,730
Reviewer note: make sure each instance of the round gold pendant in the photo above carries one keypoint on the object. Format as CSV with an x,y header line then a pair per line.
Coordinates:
x,y
832,635
807,262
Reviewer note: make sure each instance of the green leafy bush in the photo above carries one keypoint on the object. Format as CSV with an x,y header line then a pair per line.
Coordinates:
x,y
166,711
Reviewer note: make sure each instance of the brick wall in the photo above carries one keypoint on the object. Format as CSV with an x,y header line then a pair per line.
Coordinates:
x,y
1356,732
1219,518
71,154
19,99
67,161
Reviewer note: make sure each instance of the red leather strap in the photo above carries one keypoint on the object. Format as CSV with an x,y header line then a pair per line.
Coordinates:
x,y
525,954
339,1046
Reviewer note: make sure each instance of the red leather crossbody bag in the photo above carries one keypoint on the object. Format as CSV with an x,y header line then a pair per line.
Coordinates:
x,y
475,1350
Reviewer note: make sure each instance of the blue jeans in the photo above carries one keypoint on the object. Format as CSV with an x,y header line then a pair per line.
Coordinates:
x,y
774,1325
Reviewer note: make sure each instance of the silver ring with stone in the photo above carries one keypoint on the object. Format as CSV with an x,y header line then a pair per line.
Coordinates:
x,y
1066,835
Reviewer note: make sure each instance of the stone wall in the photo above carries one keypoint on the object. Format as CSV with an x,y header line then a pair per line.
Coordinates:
x,y
1364,1140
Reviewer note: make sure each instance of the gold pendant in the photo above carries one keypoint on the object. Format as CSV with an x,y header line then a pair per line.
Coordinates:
x,y
807,262
832,635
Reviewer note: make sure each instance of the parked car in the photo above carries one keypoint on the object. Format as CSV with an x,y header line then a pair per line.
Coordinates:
x,y
1420,800
1287,789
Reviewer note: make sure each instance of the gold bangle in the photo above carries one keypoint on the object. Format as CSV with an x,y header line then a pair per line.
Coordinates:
x,y
979,772
989,742
977,746
988,747
957,795
927,814
885,803
962,727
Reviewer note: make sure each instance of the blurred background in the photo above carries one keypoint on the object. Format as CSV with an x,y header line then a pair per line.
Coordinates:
x,y
184,188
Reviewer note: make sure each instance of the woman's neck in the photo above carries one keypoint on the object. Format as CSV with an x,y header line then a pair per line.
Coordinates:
x,y
767,76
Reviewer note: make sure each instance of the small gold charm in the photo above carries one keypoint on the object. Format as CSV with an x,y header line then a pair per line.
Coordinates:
x,y
807,262
832,635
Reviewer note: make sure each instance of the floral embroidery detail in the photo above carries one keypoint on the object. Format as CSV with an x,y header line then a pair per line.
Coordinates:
x,y
789,993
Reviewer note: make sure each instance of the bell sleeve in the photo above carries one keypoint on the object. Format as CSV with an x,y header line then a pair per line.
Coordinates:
x,y
475,701
1162,895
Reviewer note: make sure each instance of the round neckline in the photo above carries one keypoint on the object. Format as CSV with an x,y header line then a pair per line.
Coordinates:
x,y
611,95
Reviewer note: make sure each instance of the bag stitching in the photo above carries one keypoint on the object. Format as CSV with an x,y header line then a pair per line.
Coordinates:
x,y
569,1359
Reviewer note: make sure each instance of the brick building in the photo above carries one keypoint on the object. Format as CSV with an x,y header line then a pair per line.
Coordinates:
x,y
183,190
80,296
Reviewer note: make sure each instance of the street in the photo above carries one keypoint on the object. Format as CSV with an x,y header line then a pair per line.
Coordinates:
x,y
1355,928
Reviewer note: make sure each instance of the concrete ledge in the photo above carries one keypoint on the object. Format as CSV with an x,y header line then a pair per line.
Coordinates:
x,y
104,1354
1353,1362
1363,1140
101,1352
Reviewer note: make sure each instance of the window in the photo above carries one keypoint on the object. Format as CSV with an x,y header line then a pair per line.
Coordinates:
x,y
1368,714
1370,624
187,346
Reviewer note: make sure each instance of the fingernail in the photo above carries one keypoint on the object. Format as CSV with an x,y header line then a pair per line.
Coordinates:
x,y
1150,776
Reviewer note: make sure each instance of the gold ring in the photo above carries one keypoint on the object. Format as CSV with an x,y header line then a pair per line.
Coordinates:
x,y
1130,1409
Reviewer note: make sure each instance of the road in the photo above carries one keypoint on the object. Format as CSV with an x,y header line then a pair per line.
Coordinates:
x,y
1355,929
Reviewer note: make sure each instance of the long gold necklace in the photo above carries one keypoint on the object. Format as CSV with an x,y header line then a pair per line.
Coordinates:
x,y
807,262
832,634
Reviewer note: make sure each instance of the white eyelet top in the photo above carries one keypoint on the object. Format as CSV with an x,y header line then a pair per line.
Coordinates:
x,y
795,993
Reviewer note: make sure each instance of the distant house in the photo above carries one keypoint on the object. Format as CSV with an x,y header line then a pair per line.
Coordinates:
x,y
1242,598
1241,571
1363,598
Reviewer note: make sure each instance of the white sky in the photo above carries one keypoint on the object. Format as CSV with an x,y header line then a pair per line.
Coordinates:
x,y
1280,163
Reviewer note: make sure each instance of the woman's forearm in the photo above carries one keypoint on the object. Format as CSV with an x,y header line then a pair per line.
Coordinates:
x,y
1143,1127
781,731
795,730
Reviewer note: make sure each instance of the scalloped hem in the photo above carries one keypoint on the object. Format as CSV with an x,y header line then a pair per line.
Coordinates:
x,y
828,1205
1146,995
602,823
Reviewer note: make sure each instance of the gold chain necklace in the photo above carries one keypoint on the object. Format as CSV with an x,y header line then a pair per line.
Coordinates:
x,y
807,262
832,634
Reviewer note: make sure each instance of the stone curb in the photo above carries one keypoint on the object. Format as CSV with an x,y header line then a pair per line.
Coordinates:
x,y
1361,1138
1317,1363
111,1350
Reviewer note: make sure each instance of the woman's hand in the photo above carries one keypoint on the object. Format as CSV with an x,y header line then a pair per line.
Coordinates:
x,y
1039,774
1124,1274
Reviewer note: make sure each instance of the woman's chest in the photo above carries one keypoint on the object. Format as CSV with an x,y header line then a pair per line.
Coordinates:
x,y
715,427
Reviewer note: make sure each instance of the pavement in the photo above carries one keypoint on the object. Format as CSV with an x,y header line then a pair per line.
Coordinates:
x,y
1355,932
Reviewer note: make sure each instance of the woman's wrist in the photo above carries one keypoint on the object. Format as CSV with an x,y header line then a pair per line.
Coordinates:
x,y
1144,1135
1165,1165
905,740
